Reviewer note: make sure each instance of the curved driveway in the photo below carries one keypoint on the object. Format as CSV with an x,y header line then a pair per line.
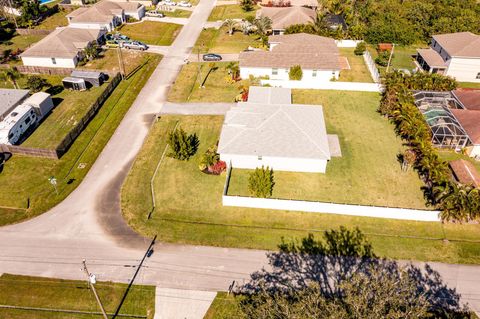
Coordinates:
x,y
88,223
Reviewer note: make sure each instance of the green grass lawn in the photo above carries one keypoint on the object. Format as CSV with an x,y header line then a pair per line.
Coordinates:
x,y
178,13
51,293
151,32
21,42
402,57
223,307
469,85
358,69
216,87
219,41
58,19
231,11
25,179
70,107
108,61
189,208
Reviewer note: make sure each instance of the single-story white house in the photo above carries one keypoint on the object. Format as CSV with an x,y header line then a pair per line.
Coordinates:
x,y
453,54
105,15
63,48
318,57
283,17
270,131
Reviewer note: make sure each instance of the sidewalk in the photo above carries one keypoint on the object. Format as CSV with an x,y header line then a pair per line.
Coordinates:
x,y
182,304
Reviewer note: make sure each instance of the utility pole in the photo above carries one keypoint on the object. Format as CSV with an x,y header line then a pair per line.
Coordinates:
x,y
121,65
390,58
91,281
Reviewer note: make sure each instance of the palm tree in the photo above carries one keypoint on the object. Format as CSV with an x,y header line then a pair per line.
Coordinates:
x,y
263,25
91,52
11,75
233,69
230,24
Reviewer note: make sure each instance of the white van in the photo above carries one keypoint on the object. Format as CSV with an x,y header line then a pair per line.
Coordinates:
x,y
17,123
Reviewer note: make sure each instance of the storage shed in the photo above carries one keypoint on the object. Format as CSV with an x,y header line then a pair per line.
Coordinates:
x,y
92,77
75,84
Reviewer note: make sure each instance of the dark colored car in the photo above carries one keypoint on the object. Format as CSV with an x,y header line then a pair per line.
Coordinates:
x,y
212,57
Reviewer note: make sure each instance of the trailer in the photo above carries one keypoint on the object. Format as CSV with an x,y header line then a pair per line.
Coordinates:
x,y
93,78
41,103
17,123
74,84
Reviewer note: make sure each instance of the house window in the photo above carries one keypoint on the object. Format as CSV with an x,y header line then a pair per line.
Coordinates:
x,y
314,73
54,61
478,75
274,71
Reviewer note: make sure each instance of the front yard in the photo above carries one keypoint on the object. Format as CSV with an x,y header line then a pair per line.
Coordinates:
x,y
151,32
217,87
219,41
188,202
231,11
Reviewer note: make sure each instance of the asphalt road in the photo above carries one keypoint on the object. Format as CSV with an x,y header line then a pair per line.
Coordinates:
x,y
88,223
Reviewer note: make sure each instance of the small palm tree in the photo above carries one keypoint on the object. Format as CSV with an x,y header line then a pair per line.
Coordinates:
x,y
11,75
233,69
91,52
263,25
230,24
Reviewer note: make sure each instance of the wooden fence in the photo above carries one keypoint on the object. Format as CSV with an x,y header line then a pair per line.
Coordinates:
x,y
28,69
68,140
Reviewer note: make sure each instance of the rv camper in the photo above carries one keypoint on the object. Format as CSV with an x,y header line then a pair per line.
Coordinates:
x,y
74,84
17,123
41,103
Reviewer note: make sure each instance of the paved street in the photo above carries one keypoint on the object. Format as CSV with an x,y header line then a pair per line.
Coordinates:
x,y
88,224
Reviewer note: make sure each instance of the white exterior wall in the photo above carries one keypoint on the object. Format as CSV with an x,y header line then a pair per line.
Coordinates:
x,y
475,151
276,163
47,62
326,85
464,69
108,26
282,74
347,43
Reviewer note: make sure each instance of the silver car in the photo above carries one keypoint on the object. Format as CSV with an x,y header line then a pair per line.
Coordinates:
x,y
135,45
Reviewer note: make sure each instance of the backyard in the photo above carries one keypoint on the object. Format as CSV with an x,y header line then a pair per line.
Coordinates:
x,y
33,193
219,41
39,292
190,209
54,21
231,11
217,88
151,32
402,57
358,71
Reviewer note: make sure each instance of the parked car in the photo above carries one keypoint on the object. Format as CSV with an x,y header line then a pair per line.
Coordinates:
x,y
212,57
184,4
154,13
112,44
170,3
135,45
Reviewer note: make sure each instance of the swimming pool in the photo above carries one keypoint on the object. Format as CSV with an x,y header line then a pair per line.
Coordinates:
x,y
46,1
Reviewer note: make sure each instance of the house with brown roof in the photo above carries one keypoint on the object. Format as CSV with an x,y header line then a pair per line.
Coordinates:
x,y
284,17
105,15
464,172
63,48
289,3
317,56
470,122
453,54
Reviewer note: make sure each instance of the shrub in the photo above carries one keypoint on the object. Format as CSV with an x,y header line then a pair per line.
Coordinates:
x,y
183,146
382,58
295,73
261,182
218,168
210,157
36,83
360,48
247,5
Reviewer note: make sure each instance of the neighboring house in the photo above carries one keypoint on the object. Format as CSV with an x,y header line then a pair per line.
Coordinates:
x,y
454,54
290,3
269,131
318,57
10,99
146,3
105,15
465,172
282,18
63,48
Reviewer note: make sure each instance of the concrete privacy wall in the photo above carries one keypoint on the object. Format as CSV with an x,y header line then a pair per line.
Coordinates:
x,y
33,31
347,43
326,85
371,67
43,70
331,208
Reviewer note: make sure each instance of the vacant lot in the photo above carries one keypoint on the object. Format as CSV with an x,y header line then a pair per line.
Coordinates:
x,y
24,180
231,11
358,71
219,41
109,61
152,32
189,209
216,84
42,292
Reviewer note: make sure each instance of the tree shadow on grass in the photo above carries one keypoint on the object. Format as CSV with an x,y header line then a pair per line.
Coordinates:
x,y
334,260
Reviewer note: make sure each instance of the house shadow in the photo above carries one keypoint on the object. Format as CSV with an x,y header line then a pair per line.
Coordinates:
x,y
296,267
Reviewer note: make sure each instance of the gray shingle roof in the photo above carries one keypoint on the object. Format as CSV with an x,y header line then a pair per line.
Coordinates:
x,y
460,44
11,98
276,130
282,18
269,95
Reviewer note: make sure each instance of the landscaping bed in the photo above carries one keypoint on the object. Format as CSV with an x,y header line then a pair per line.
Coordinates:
x,y
39,292
190,211
151,32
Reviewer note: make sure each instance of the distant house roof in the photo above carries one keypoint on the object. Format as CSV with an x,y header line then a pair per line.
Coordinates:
x,y
432,58
468,98
282,18
460,44
63,43
470,121
11,98
309,51
277,130
293,3
269,95
102,12
465,172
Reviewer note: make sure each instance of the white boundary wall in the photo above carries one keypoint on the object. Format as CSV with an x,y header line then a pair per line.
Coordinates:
x,y
347,43
326,85
331,208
